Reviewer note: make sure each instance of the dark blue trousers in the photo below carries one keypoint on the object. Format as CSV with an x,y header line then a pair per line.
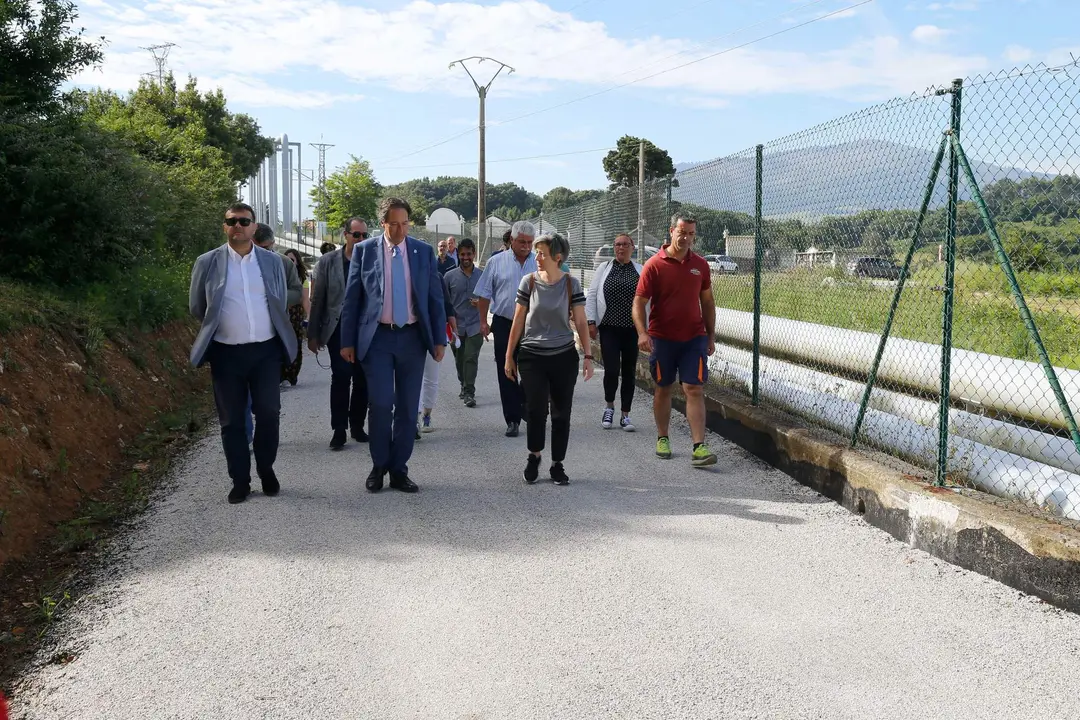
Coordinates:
x,y
394,366
239,372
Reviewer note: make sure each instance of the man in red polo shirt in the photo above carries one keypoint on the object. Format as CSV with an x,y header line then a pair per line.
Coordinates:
x,y
679,339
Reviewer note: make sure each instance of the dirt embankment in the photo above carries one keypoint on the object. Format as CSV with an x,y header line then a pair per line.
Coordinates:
x,y
87,419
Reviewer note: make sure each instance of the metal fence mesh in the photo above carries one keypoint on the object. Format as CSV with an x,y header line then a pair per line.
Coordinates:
x,y
860,232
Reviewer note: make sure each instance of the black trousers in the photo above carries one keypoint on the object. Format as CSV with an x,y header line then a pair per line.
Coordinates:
x,y
618,347
237,371
548,380
510,392
348,388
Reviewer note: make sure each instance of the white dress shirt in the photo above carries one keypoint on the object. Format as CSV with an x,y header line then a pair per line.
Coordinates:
x,y
245,313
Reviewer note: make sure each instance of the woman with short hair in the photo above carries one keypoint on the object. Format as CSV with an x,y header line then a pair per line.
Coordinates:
x,y
550,305
609,307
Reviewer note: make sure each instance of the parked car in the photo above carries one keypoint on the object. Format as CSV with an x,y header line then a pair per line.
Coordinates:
x,y
874,267
607,252
722,264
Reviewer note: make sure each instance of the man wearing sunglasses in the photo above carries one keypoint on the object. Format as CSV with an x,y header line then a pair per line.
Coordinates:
x,y
348,386
239,294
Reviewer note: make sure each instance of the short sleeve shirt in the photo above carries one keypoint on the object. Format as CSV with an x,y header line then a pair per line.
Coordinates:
x,y
547,321
674,289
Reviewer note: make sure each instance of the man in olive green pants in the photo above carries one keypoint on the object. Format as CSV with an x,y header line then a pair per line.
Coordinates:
x,y
461,285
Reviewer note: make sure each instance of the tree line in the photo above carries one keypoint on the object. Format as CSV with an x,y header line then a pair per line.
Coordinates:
x,y
98,188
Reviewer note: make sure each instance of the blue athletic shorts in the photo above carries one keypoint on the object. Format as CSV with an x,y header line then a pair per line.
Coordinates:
x,y
689,359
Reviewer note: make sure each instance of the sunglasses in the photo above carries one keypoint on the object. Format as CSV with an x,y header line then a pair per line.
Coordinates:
x,y
358,235
244,222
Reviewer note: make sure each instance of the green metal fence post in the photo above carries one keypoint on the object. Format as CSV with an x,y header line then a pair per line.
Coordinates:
x,y
949,292
755,396
1018,295
872,378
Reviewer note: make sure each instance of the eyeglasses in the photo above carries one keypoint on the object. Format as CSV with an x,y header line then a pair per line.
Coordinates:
x,y
244,222
623,245
358,235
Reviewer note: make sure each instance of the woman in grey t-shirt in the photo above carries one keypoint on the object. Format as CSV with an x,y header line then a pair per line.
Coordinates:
x,y
550,304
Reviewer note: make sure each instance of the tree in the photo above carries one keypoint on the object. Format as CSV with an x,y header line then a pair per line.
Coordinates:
x,y
350,190
621,164
459,195
559,198
38,52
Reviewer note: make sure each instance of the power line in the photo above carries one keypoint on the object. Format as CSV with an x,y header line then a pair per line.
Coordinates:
x,y
504,160
662,72
683,65
428,147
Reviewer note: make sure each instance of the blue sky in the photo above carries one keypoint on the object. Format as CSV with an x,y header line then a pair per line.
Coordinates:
x,y
371,77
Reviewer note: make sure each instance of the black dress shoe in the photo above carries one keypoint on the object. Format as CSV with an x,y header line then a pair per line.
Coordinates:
x,y
270,484
512,430
359,435
338,441
375,479
239,494
400,481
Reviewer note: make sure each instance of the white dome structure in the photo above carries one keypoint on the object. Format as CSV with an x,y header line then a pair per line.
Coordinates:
x,y
445,222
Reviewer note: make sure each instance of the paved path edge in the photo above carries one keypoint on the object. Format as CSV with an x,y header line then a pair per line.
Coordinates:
x,y
1033,554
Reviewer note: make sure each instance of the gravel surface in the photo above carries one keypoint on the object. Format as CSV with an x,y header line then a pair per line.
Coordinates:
x,y
645,589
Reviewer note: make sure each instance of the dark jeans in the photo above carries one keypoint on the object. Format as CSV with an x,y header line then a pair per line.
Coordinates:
x,y
549,379
510,392
394,366
346,412
238,371
619,350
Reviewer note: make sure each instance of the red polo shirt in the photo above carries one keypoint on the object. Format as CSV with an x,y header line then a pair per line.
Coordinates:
x,y
674,289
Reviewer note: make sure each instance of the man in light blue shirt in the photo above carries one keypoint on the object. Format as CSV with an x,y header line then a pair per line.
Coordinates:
x,y
497,292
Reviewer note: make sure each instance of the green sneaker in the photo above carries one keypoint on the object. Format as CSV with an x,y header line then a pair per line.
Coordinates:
x,y
702,456
663,448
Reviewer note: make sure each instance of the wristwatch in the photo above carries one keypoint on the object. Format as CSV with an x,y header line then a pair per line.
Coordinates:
x,y
588,357
592,322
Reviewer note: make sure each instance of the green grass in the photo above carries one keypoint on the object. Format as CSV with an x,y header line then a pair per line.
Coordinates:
x,y
985,319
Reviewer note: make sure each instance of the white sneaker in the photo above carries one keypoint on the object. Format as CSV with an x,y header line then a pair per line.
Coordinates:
x,y
608,419
425,424
626,425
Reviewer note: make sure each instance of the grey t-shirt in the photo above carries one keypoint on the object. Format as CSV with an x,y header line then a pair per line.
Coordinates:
x,y
547,320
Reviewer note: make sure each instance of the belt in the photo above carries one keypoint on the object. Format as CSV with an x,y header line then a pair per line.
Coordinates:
x,y
392,326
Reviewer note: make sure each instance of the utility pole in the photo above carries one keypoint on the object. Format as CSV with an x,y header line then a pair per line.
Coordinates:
x,y
161,55
641,202
321,147
481,180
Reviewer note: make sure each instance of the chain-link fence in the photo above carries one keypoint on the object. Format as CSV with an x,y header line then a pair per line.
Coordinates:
x,y
857,255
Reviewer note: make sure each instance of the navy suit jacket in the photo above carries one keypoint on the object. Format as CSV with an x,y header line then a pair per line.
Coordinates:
x,y
363,304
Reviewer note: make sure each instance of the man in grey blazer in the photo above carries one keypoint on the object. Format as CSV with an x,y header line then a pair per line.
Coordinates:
x,y
264,238
239,294
324,331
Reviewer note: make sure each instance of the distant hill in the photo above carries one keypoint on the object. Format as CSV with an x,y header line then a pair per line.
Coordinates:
x,y
841,179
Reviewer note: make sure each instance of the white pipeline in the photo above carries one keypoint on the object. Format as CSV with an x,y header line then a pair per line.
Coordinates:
x,y
990,469
1045,448
1001,384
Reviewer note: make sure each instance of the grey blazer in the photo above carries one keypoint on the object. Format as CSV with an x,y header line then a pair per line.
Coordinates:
x,y
208,291
292,282
328,296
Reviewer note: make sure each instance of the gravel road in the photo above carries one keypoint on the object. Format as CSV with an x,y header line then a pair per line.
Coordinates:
x,y
645,589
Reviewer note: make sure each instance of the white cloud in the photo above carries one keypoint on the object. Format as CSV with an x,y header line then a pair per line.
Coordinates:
x,y
316,44
961,5
1018,54
929,34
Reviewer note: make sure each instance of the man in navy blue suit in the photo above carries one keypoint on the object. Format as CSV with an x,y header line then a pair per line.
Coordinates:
x,y
392,317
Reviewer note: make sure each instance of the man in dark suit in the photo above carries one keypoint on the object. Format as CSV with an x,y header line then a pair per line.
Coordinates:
x,y
239,294
392,317
324,330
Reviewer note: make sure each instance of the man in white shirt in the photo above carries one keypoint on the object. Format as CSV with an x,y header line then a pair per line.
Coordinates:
x,y
239,294
497,292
